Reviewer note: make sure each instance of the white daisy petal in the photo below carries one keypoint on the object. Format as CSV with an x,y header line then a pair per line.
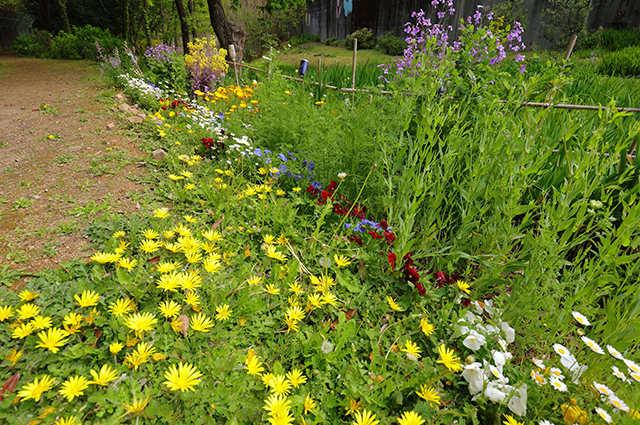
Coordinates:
x,y
615,353
593,345
580,318
604,415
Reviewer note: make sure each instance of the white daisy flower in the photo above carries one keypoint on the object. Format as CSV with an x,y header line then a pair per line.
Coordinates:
x,y
615,353
635,376
618,403
618,374
538,363
495,372
558,384
593,345
604,415
561,350
581,318
474,340
603,389
538,378
632,366
556,373
545,422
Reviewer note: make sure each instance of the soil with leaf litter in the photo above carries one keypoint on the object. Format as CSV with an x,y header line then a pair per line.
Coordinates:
x,y
66,157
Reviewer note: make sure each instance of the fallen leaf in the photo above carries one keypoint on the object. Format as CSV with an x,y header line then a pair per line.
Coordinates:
x,y
98,335
217,223
10,385
184,325
154,260
349,314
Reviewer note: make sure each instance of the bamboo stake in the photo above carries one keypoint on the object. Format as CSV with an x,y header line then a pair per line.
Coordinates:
x,y
572,44
353,73
320,74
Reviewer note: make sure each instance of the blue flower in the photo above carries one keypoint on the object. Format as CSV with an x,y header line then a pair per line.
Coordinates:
x,y
298,177
257,152
292,156
282,157
311,166
316,185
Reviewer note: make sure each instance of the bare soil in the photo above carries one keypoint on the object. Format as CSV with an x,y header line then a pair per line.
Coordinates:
x,y
65,158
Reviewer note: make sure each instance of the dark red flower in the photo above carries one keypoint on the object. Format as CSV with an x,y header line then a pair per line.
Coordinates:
x,y
466,302
411,274
441,279
384,225
392,259
421,289
324,195
390,237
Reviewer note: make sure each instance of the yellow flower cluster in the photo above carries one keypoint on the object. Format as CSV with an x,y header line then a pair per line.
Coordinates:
x,y
203,54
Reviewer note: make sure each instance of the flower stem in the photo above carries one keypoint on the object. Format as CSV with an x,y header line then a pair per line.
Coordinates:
x,y
354,202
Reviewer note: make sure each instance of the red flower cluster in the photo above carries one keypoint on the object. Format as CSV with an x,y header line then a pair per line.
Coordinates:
x,y
410,272
445,279
208,142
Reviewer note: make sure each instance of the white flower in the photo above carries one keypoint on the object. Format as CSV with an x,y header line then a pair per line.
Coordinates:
x,y
538,363
615,353
342,176
493,392
618,403
499,359
326,346
577,373
558,384
635,376
618,374
556,373
503,344
581,318
474,375
518,402
508,331
538,378
492,329
632,366
603,414
569,362
474,340
593,345
477,308
561,350
497,374
603,389
488,306
545,422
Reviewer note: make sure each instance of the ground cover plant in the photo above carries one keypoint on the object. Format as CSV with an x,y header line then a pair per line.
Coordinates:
x,y
461,259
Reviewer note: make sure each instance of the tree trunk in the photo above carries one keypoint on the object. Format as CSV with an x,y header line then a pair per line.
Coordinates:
x,y
65,19
184,27
147,26
226,32
192,13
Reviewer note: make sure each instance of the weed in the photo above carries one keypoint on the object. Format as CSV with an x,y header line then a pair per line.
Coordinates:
x,y
21,203
66,158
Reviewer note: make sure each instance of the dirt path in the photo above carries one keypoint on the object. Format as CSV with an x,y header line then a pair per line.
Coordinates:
x,y
65,158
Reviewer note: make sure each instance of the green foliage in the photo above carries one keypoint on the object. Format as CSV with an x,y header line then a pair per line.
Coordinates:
x,y
623,63
612,39
563,19
511,11
303,38
27,45
366,39
391,44
333,41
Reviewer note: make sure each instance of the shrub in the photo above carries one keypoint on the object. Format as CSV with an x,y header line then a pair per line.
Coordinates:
x,y
27,45
297,40
366,39
65,46
166,66
333,41
623,63
613,40
391,45
565,18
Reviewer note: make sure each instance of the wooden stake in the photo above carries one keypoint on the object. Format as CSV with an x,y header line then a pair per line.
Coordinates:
x,y
320,74
572,44
353,73
269,66
235,71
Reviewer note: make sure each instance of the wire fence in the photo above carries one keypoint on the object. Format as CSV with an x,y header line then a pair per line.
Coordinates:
x,y
12,26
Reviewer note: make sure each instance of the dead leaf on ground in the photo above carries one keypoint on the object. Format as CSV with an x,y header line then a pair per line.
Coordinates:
x,y
184,325
10,385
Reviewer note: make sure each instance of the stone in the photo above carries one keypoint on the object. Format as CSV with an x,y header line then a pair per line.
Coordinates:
x,y
111,126
159,154
120,96
134,120
124,108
